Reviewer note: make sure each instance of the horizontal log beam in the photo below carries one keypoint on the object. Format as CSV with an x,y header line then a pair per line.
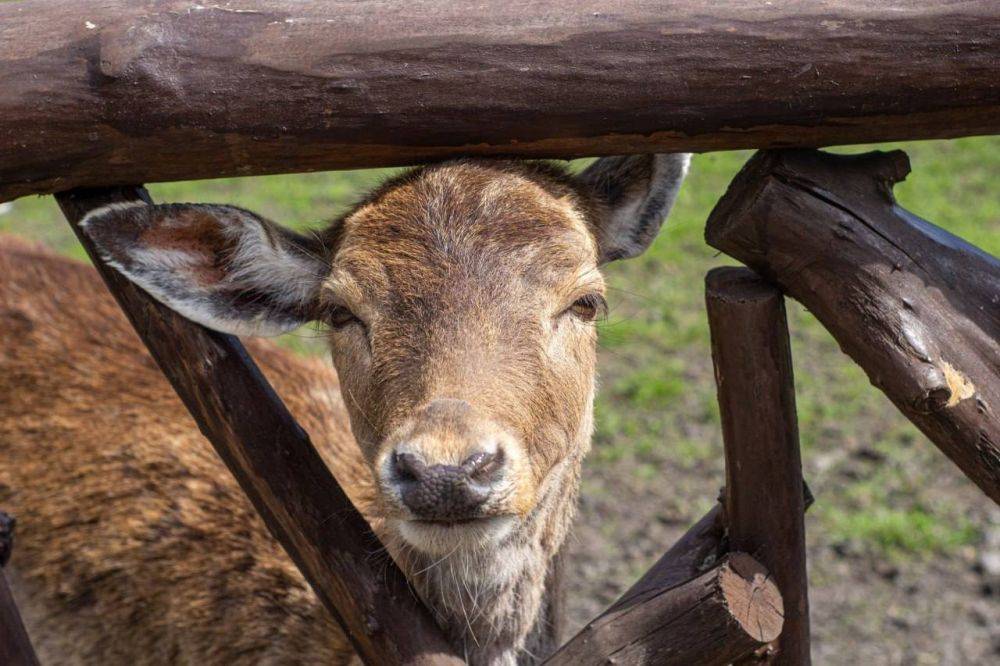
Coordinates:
x,y
126,91
914,306
277,467
725,613
15,646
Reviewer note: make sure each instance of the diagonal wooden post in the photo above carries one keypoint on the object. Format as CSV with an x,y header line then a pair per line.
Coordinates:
x,y
917,308
728,611
764,499
15,646
277,467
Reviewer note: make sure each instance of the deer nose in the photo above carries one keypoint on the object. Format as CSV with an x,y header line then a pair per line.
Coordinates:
x,y
447,492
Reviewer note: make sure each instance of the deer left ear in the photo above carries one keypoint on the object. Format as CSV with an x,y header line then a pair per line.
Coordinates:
x,y
635,194
221,266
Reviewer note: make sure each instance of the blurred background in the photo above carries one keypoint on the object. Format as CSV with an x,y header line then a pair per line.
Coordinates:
x,y
904,551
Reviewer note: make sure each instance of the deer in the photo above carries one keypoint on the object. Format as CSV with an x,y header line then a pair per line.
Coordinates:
x,y
459,302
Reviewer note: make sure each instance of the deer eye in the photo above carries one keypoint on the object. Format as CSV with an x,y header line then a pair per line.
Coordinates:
x,y
589,307
339,317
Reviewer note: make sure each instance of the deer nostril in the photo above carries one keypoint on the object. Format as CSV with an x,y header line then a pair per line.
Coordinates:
x,y
445,492
408,466
481,466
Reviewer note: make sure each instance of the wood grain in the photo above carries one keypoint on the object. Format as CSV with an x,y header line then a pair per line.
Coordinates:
x,y
725,613
278,468
764,500
128,91
917,308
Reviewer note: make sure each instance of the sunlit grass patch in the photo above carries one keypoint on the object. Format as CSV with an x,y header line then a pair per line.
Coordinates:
x,y
896,533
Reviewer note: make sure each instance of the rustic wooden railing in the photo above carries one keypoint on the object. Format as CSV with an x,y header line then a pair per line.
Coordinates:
x,y
916,307
129,92
120,92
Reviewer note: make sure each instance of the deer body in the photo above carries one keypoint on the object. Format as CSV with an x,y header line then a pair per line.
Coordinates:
x,y
459,300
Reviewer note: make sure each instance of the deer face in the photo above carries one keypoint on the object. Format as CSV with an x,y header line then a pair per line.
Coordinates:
x,y
460,301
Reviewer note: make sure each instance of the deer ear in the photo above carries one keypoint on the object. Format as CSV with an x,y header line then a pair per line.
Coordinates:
x,y
221,266
634,195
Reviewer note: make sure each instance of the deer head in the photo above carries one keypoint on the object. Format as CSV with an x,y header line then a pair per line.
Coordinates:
x,y
460,300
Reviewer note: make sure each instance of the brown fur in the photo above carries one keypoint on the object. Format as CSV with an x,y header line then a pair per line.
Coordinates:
x,y
135,545
464,281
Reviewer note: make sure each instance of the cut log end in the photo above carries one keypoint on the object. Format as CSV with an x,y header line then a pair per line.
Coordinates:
x,y
736,284
752,597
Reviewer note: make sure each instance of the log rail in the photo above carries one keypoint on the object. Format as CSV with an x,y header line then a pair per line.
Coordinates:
x,y
764,499
126,91
916,307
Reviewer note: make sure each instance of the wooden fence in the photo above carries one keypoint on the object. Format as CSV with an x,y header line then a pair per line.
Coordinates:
x,y
129,92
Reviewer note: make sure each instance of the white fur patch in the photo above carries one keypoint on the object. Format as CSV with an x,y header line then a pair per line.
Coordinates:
x,y
110,208
259,264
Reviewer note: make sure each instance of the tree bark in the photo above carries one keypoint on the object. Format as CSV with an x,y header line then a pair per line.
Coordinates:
x,y
723,614
126,91
916,307
278,468
764,501
15,646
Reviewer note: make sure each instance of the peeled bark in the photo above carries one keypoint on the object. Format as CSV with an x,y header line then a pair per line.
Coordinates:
x,y
916,307
126,91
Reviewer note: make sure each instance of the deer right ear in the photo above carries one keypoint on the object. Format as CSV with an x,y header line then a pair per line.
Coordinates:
x,y
635,194
221,266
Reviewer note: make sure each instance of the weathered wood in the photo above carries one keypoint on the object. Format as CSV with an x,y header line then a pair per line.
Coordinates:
x,y
278,468
916,307
725,613
126,91
764,501
15,646
696,551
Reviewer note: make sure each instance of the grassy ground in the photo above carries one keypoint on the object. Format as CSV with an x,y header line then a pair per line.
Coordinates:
x,y
896,533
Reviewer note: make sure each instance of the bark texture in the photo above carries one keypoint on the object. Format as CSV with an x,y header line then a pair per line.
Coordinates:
x,y
15,646
725,613
126,91
764,497
916,307
278,468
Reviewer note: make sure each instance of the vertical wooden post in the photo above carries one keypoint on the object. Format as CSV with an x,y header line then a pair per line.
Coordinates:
x,y
277,467
15,647
764,501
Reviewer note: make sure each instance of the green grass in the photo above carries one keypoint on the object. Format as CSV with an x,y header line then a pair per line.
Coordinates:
x,y
899,534
656,409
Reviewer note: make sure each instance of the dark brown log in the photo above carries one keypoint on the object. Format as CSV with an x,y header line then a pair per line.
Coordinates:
x,y
278,468
916,307
764,501
126,91
15,646
727,612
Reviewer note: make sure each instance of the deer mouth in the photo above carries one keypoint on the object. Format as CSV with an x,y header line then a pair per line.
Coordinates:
x,y
440,536
442,522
